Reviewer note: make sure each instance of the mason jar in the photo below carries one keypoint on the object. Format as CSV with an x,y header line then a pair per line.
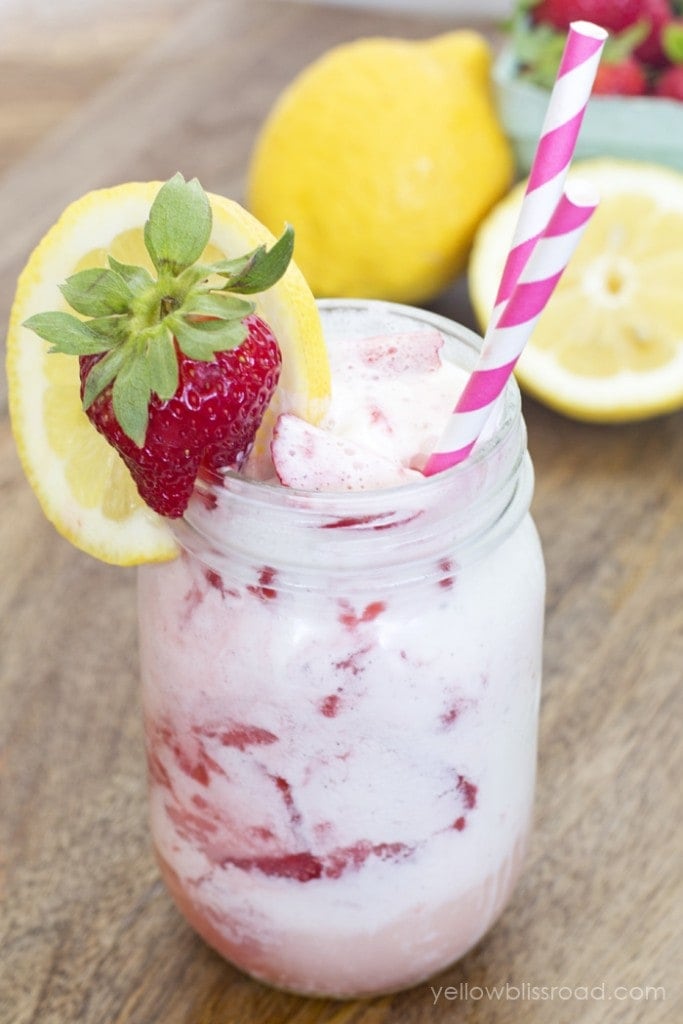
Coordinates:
x,y
341,694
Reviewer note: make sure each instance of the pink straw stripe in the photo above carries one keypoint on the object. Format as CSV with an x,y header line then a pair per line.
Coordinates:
x,y
516,261
483,386
574,218
562,123
440,461
585,44
517,319
532,269
523,253
555,150
530,301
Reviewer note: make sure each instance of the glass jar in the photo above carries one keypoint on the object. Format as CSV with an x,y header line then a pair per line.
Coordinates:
x,y
341,698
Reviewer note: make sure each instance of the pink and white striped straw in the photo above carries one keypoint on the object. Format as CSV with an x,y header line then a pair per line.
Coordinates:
x,y
556,145
543,201
516,319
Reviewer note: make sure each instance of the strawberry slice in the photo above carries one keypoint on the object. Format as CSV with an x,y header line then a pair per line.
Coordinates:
x,y
310,459
176,371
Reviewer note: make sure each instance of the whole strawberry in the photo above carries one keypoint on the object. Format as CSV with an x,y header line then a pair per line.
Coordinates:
x,y
176,372
622,78
656,14
613,15
208,425
670,83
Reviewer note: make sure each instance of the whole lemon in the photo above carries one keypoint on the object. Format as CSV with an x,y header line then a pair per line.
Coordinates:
x,y
385,155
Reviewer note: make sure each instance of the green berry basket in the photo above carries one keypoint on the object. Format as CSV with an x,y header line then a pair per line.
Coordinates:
x,y
626,127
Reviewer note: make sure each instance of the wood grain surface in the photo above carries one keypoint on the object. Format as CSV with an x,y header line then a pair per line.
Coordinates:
x,y
96,94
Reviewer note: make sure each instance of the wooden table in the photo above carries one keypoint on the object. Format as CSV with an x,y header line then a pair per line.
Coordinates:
x,y
87,932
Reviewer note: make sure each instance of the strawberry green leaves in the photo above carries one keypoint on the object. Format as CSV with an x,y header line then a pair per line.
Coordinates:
x,y
131,392
137,278
260,269
97,292
139,324
162,364
102,374
179,225
201,340
672,42
221,305
67,334
538,50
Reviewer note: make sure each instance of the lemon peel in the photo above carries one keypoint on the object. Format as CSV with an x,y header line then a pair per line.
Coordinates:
x,y
385,154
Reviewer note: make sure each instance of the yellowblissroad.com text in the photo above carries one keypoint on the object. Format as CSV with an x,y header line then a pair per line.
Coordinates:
x,y
525,991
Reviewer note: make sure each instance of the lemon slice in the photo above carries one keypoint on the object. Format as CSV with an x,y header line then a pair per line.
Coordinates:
x,y
82,484
609,345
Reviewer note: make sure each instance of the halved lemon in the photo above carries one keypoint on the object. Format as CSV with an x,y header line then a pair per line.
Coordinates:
x,y
609,345
82,484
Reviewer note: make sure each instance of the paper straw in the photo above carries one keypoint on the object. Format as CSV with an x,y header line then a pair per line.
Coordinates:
x,y
556,145
507,336
546,212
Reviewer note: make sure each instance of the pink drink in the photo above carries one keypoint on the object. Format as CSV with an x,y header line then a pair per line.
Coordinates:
x,y
341,692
